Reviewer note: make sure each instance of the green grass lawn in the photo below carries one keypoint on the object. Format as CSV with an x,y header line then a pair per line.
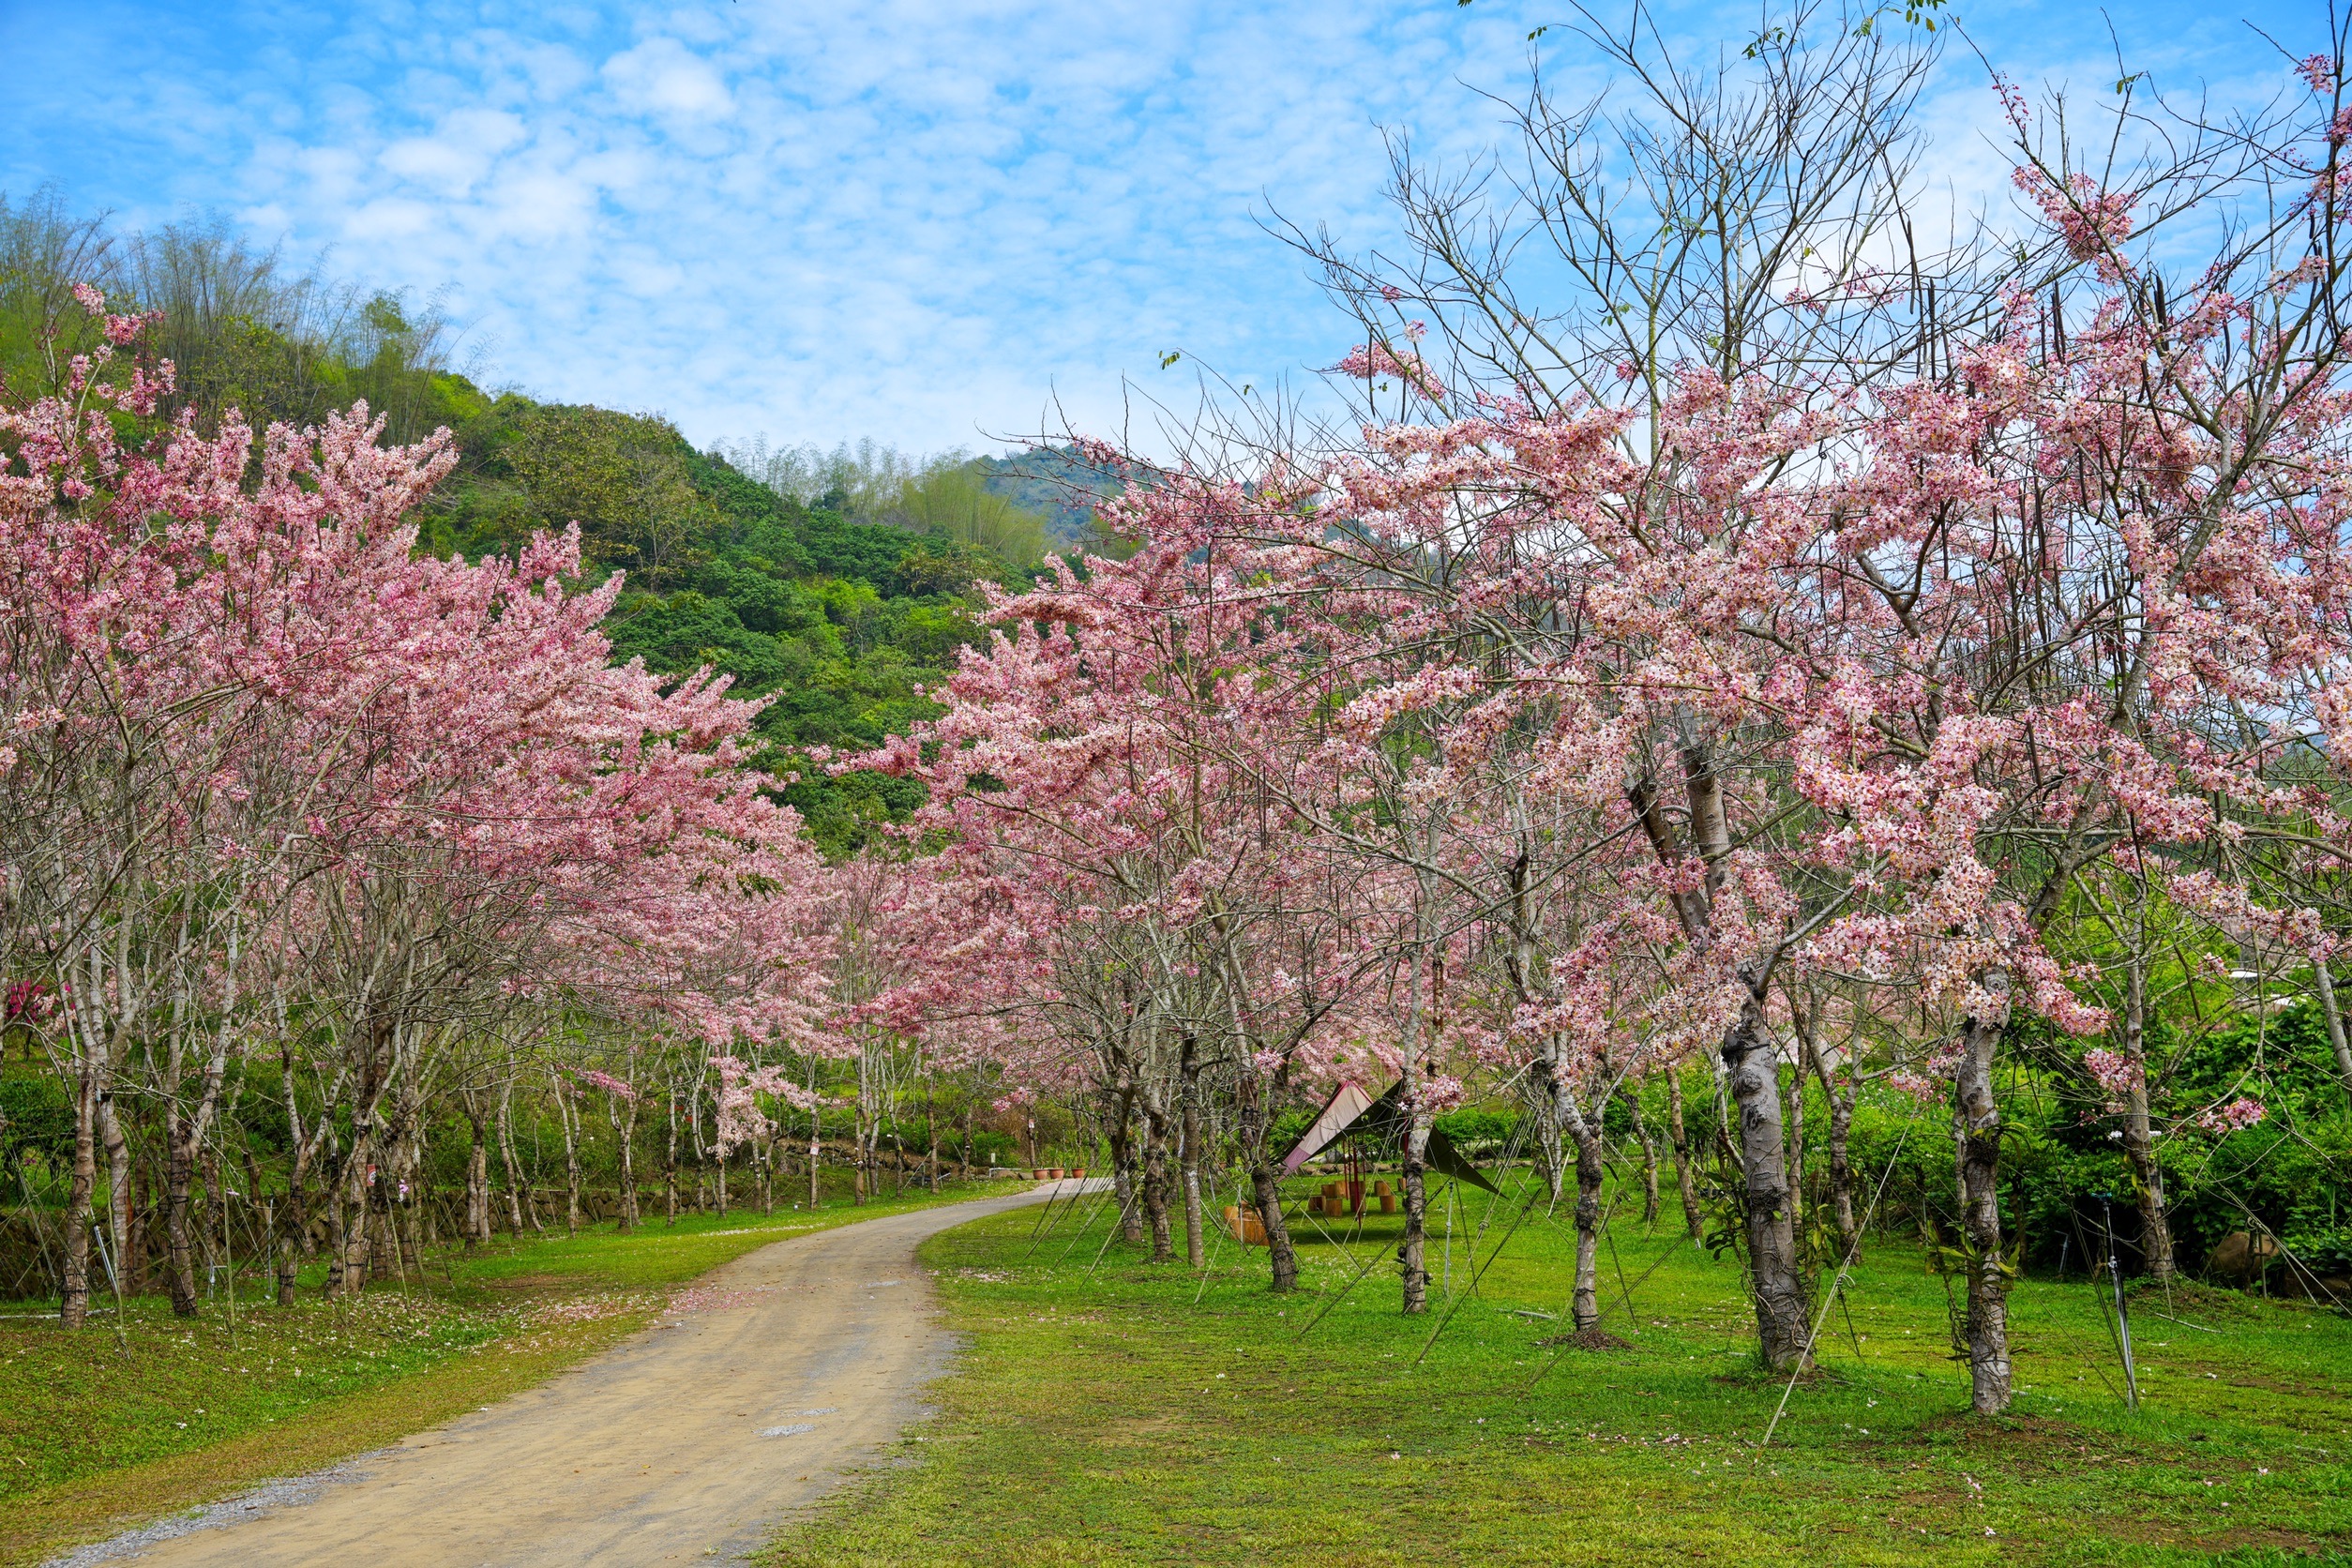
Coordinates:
x,y
1109,1412
101,1430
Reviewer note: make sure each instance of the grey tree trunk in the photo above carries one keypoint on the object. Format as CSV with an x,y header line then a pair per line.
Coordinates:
x,y
1188,1064
338,1236
670,1163
297,1180
1155,1182
120,1223
1793,1131
1841,1102
963,1156
289,1255
2336,1038
179,1180
356,1218
74,1306
1412,1254
628,1166
1684,1180
506,1157
1752,1077
2139,1146
1632,1093
571,1158
1124,1160
1265,1190
1751,1066
1981,1211
1586,1137
477,1197
930,1131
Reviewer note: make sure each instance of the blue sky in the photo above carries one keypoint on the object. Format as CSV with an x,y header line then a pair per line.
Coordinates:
x,y
925,222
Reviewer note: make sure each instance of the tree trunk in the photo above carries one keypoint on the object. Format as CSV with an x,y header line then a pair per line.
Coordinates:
x,y
1155,1182
1265,1188
337,1232
1794,1131
297,1184
384,1241
629,1165
477,1198
701,1165
356,1218
119,1170
1841,1106
1412,1252
1196,1245
863,1161
2336,1038
289,1255
1123,1161
289,1221
1551,1147
670,1163
143,1206
1752,1074
2138,1145
930,1133
1980,1215
867,1131
74,1307
571,1158
179,1179
1685,1179
1586,1137
506,1159
1632,1093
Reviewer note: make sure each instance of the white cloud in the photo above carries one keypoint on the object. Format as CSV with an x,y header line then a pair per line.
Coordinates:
x,y
459,151
660,77
913,218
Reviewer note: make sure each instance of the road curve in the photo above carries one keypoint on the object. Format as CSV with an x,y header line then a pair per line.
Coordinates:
x,y
684,1443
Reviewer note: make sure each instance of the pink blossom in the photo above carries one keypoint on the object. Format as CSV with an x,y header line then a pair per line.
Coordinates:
x,y
607,1082
2237,1116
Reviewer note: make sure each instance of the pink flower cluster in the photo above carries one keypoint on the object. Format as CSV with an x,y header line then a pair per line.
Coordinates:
x,y
2237,1116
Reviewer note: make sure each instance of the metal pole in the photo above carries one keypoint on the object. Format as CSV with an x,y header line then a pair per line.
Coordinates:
x,y
2122,1314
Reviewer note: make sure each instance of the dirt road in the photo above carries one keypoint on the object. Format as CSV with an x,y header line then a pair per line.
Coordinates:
x,y
683,1445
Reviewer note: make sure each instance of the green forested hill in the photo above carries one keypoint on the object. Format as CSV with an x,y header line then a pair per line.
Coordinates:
x,y
836,619
837,622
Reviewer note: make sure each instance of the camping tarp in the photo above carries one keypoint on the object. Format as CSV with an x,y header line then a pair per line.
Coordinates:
x,y
1338,1114
1349,1102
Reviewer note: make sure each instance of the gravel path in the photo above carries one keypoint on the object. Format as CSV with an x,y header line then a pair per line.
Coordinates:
x,y
685,1443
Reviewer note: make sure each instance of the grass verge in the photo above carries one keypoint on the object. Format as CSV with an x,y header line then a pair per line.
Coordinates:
x,y
1106,1411
102,1429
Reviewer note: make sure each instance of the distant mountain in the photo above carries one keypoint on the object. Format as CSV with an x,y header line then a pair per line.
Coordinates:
x,y
1058,483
